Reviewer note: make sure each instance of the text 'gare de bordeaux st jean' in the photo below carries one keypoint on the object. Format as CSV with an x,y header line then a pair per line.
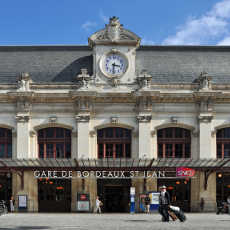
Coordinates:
x,y
114,115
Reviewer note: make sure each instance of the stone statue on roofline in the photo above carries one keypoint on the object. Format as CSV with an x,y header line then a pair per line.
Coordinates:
x,y
205,81
24,82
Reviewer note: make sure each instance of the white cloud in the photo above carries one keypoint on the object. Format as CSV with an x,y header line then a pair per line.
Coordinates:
x,y
211,26
88,25
224,42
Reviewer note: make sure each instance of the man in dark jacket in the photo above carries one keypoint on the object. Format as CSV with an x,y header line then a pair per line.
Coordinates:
x,y
164,202
147,203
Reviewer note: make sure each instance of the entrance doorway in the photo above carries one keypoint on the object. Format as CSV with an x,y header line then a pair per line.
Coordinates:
x,y
6,188
115,194
54,195
222,186
179,191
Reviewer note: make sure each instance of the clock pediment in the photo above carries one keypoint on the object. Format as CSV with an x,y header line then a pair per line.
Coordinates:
x,y
114,33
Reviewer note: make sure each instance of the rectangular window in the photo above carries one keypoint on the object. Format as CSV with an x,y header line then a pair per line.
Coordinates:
x,y
178,133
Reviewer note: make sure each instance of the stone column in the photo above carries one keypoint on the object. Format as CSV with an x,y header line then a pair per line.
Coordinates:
x,y
83,137
138,183
23,138
144,136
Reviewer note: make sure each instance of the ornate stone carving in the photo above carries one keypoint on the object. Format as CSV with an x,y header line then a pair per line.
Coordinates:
x,y
84,78
153,133
213,133
114,82
114,120
83,104
53,119
32,133
143,104
92,133
24,82
22,117
24,105
204,81
82,118
144,118
144,80
114,32
206,105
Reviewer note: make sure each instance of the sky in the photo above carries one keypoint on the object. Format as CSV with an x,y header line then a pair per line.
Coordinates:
x,y
157,22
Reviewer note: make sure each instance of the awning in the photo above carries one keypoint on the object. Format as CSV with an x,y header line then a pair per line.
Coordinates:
x,y
110,163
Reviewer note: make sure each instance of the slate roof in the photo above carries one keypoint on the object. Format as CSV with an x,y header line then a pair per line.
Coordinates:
x,y
167,64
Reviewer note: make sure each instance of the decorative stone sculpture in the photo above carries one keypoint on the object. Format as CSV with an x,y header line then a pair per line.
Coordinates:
x,y
84,78
24,82
144,80
205,81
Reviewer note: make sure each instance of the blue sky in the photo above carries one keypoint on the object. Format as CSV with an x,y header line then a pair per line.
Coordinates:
x,y
157,22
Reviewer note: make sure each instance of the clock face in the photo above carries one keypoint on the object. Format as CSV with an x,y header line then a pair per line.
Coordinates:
x,y
115,65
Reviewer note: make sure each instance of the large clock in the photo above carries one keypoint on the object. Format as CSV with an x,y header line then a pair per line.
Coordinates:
x,y
114,64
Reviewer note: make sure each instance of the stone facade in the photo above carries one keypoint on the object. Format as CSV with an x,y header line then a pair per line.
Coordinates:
x,y
132,101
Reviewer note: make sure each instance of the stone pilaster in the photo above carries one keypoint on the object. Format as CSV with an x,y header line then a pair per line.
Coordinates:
x,y
144,135
138,183
23,138
83,139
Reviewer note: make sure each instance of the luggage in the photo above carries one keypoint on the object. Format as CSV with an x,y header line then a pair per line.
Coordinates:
x,y
172,215
178,212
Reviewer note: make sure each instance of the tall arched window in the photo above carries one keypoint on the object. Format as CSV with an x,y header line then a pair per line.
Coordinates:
x,y
223,143
174,143
114,143
54,143
5,143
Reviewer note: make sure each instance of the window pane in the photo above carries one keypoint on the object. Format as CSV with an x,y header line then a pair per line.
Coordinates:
x,y
2,132
219,133
168,150
2,150
187,150
119,132
100,133
41,133
109,150
178,150
128,150
169,133
60,150
68,150
50,132
127,133
100,151
41,150
227,150
67,133
109,133
160,133
227,133
49,151
9,150
119,150
187,133
160,150
59,132
219,150
178,133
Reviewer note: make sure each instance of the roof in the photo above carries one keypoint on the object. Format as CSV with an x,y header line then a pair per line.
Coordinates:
x,y
105,164
167,64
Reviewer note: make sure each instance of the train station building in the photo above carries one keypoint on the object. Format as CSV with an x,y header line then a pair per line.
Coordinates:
x,y
114,106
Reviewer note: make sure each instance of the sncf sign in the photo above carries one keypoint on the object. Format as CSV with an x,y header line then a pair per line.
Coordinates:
x,y
185,172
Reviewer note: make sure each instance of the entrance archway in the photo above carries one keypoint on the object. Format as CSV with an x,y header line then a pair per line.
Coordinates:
x,y
115,194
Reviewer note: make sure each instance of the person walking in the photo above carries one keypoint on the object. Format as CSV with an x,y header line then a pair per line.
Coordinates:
x,y
98,205
147,203
164,202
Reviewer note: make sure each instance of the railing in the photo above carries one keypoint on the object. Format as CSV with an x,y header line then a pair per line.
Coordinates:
x,y
3,207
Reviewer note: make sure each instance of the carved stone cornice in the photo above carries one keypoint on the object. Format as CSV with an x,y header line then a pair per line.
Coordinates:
x,y
82,118
144,118
22,117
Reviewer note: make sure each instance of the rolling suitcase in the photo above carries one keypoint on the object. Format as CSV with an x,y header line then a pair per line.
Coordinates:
x,y
178,212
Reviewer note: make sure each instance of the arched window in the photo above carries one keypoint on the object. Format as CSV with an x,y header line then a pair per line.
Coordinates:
x,y
54,143
114,143
223,143
174,143
5,143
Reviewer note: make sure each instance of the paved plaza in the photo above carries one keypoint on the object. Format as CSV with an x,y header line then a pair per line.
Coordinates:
x,y
110,222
